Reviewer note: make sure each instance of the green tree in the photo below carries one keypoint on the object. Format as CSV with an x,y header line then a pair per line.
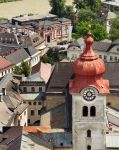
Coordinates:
x,y
114,31
17,70
98,30
94,5
79,4
58,7
24,68
69,12
46,59
87,15
81,29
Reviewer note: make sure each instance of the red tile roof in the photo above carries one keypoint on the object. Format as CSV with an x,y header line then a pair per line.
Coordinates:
x,y
4,63
32,129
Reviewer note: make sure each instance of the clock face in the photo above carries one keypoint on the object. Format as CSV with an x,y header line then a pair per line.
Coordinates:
x,y
89,94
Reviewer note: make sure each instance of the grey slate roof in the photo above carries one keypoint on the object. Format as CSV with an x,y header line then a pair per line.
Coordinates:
x,y
47,23
60,77
63,72
4,48
97,45
116,42
12,138
32,50
5,80
112,74
21,54
21,108
101,46
17,56
11,102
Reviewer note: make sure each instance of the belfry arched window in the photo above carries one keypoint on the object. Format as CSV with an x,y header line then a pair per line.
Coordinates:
x,y
93,111
85,111
88,147
88,133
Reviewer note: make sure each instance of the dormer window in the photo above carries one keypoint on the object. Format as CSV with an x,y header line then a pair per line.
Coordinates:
x,y
24,89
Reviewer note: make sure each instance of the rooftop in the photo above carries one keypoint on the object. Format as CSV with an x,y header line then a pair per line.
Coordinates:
x,y
113,3
4,63
63,72
11,138
25,18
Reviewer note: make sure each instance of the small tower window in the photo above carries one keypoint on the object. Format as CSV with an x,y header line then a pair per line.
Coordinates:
x,y
88,133
88,147
85,111
93,111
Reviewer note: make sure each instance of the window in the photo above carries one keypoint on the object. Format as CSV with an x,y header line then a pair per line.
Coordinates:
x,y
88,147
93,111
40,89
5,71
100,56
39,103
32,112
32,89
34,103
88,133
39,112
115,58
61,144
24,89
28,120
111,58
85,111
29,103
105,57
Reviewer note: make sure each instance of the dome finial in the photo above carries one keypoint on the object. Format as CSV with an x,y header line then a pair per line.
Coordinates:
x,y
88,53
89,33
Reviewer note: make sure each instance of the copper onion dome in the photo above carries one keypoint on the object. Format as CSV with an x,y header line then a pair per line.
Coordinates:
x,y
88,70
89,63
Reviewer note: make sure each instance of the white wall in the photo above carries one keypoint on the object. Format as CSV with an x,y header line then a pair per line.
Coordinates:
x,y
81,124
6,71
23,118
36,89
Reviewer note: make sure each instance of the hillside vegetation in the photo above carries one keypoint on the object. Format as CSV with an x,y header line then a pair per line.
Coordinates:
x,y
5,1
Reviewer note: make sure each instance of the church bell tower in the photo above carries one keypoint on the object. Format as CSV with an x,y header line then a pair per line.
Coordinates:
x,y
88,90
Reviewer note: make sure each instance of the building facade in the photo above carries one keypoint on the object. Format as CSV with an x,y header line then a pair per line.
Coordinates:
x,y
33,94
107,50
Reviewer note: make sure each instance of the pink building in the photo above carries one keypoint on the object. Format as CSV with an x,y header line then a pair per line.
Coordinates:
x,y
54,29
